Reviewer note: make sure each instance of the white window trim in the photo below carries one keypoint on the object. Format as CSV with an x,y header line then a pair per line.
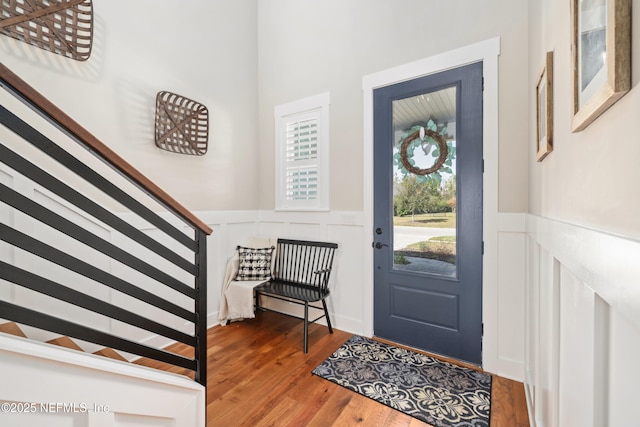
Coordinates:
x,y
313,104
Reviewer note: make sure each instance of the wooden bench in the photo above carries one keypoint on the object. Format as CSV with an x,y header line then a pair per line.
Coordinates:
x,y
301,276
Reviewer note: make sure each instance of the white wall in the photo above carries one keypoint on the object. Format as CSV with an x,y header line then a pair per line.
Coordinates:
x,y
347,285
589,177
205,50
315,46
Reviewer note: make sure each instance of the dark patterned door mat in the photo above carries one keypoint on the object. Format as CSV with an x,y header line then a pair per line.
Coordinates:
x,y
431,390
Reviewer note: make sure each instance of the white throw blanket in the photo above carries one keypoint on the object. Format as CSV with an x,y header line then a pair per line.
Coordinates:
x,y
237,296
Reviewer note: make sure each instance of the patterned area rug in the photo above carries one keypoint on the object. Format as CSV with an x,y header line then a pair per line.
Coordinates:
x,y
428,389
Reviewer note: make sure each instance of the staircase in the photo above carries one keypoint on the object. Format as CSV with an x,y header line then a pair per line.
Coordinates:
x,y
95,255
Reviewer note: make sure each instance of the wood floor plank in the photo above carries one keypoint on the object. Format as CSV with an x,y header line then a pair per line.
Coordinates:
x,y
311,393
354,414
307,409
397,419
377,413
508,403
264,383
279,415
258,375
331,410
417,423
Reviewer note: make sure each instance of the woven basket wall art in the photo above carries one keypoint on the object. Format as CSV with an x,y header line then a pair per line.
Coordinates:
x,y
182,125
64,27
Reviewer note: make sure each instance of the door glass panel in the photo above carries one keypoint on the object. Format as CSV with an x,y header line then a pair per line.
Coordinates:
x,y
424,183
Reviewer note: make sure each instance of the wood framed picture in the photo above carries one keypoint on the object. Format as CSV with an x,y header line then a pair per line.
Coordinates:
x,y
544,109
601,57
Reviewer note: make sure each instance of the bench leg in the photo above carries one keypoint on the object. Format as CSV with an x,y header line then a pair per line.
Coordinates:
x,y
326,314
306,326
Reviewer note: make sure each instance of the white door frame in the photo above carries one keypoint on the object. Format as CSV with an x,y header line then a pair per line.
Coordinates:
x,y
486,51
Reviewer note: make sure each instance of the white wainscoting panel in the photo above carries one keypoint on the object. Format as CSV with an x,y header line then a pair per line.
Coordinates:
x,y
577,342
347,281
230,229
624,348
582,326
346,303
503,297
510,303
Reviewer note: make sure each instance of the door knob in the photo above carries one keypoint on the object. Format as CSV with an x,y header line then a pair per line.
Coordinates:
x,y
379,245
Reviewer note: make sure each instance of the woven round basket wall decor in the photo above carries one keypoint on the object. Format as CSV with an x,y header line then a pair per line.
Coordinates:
x,y
182,125
64,27
442,145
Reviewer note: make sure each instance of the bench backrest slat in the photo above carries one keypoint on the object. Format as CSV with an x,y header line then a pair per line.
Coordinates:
x,y
305,262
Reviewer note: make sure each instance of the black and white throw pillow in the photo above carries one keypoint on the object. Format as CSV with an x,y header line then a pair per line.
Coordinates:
x,y
255,264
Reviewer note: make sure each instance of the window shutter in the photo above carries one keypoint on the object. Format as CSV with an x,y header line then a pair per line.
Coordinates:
x,y
301,159
302,183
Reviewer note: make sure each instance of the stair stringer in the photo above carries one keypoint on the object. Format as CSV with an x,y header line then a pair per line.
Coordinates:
x,y
12,328
55,386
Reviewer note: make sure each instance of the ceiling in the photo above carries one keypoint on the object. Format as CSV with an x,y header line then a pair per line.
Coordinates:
x,y
440,106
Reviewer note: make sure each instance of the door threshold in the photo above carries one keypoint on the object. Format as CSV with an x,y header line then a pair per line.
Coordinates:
x,y
441,357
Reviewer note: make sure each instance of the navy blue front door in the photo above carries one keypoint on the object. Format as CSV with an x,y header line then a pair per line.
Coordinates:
x,y
428,213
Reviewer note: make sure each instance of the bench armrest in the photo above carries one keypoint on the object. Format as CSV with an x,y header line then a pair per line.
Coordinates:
x,y
325,279
326,270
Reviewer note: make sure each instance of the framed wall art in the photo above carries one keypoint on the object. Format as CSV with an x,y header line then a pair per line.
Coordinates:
x,y
544,109
601,57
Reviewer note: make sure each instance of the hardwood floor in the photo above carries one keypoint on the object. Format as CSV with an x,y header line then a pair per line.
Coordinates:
x,y
259,376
